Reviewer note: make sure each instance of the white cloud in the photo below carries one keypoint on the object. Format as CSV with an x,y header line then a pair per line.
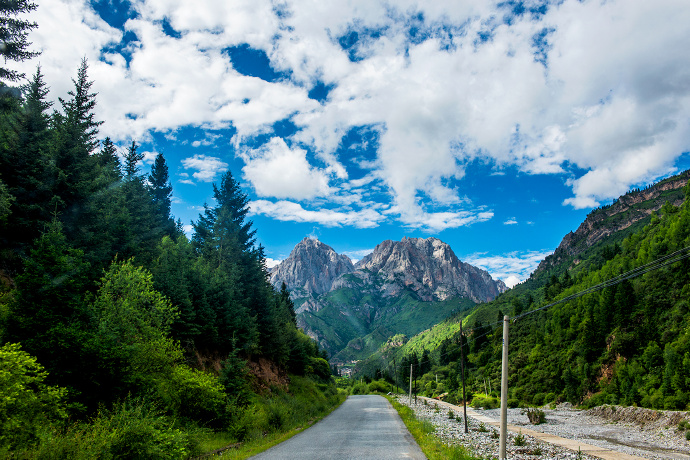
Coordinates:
x,y
207,167
270,263
294,212
512,268
613,100
510,221
276,170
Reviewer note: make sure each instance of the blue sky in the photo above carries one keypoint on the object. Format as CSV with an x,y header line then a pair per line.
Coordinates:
x,y
494,126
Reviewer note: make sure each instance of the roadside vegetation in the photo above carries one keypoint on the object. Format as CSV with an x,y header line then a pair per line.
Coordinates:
x,y
626,344
120,336
423,432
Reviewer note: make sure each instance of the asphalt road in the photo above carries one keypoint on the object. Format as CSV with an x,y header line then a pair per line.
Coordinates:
x,y
363,427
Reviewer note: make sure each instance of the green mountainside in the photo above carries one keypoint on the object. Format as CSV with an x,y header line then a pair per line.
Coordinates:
x,y
628,343
356,323
401,287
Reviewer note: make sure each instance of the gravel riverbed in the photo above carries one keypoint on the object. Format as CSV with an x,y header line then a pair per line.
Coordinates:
x,y
657,439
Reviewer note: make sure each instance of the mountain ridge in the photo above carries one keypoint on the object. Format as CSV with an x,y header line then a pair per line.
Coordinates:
x,y
401,287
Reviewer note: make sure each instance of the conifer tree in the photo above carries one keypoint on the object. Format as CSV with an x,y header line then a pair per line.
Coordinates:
x,y
76,133
109,162
161,192
13,35
132,159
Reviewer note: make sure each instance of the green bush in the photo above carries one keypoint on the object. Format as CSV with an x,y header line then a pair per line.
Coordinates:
x,y
26,403
193,394
520,440
379,386
538,399
133,429
486,402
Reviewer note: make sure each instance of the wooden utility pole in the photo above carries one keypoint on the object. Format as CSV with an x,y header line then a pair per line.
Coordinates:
x,y
462,371
504,393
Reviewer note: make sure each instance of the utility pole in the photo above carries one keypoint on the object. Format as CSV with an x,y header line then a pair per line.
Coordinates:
x,y
504,393
395,369
462,371
410,384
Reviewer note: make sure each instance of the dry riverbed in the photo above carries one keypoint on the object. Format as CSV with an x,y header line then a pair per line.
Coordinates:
x,y
640,432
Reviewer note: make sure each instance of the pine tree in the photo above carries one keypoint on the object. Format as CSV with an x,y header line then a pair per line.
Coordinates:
x,y
161,192
132,159
109,163
79,111
76,133
13,35
48,315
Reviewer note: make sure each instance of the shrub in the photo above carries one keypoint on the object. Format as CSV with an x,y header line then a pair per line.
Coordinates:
x,y
513,403
193,394
520,440
538,399
379,386
486,402
132,429
536,416
26,403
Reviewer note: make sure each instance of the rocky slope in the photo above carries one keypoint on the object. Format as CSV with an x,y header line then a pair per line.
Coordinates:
x,y
310,269
401,287
429,268
623,213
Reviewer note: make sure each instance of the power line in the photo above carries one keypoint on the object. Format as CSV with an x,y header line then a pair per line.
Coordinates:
x,y
656,264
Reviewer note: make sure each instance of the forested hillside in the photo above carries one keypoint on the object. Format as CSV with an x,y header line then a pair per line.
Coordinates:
x,y
622,338
120,337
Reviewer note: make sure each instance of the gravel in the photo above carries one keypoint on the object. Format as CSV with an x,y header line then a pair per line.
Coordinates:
x,y
651,440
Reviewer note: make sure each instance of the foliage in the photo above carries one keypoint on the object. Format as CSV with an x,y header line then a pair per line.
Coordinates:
x,y
625,344
27,403
13,35
132,429
432,446
520,439
144,334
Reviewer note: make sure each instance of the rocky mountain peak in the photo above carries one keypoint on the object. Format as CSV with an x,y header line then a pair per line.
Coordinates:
x,y
430,268
310,269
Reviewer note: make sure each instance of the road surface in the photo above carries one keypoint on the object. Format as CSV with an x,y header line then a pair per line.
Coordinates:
x,y
363,427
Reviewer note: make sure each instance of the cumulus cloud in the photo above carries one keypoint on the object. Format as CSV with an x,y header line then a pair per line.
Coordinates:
x,y
270,263
512,268
294,212
594,90
276,170
207,167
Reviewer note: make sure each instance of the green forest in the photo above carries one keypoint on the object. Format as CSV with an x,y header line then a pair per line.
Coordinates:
x,y
119,336
627,343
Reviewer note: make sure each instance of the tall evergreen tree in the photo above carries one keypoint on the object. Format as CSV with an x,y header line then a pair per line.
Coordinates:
x,y
76,141
28,167
13,35
132,159
109,162
161,192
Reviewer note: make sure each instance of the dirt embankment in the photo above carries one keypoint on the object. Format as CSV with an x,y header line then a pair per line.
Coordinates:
x,y
647,419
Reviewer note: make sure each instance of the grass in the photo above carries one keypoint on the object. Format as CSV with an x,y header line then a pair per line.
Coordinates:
x,y
423,432
284,418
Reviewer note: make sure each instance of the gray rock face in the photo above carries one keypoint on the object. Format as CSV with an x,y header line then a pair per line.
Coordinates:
x,y
310,269
429,267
